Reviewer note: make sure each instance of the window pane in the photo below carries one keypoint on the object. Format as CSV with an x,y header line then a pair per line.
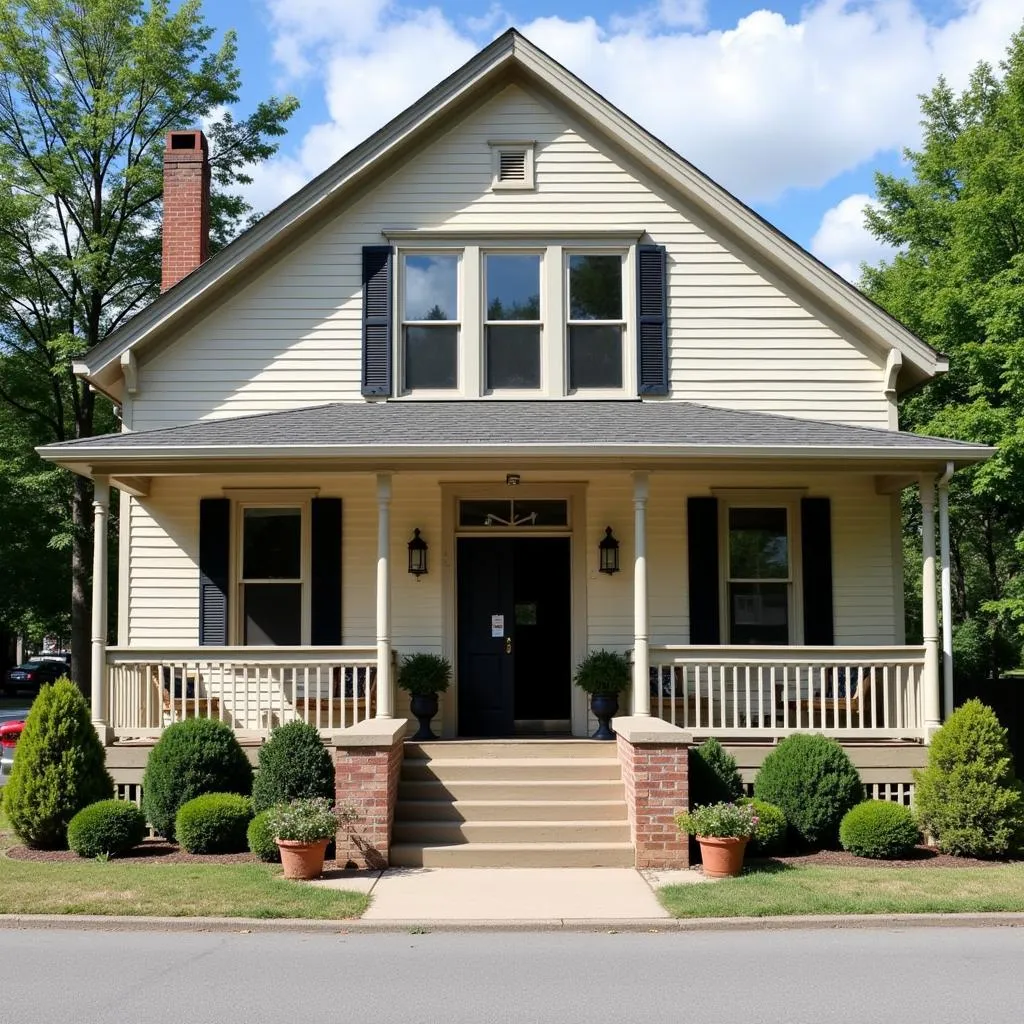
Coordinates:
x,y
758,545
272,544
431,357
273,614
431,288
595,357
759,613
541,513
513,357
595,287
513,287
485,513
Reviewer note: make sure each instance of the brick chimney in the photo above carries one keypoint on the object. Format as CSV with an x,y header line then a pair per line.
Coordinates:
x,y
186,232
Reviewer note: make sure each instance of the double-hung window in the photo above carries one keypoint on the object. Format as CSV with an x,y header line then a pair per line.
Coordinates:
x,y
272,575
596,322
512,321
430,321
760,575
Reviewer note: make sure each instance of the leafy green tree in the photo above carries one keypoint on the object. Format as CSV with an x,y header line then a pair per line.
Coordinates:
x,y
88,92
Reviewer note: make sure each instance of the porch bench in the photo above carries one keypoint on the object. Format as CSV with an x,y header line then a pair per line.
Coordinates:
x,y
347,699
179,697
830,708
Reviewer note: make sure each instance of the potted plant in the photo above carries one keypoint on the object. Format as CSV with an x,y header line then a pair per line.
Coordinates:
x,y
302,829
423,677
722,830
604,675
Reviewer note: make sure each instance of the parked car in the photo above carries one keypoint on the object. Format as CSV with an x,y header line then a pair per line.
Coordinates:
x,y
32,674
9,733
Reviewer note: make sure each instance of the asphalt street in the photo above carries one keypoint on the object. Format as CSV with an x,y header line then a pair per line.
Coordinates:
x,y
861,977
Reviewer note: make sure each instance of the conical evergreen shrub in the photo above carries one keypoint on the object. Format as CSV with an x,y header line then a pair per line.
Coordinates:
x,y
58,770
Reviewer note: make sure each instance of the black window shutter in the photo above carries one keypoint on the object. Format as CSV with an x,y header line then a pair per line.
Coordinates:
x,y
214,567
816,544
377,319
702,539
325,581
652,319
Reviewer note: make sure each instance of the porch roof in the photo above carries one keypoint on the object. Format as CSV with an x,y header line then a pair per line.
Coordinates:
x,y
397,429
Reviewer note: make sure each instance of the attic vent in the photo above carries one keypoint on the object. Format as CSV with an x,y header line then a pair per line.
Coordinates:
x,y
512,164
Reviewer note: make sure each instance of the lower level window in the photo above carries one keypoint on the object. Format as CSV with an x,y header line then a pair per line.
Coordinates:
x,y
760,577
271,576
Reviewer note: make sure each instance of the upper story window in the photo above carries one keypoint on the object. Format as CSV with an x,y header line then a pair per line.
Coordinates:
x,y
512,322
596,323
430,321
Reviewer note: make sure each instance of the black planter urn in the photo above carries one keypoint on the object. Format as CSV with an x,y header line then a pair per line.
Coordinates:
x,y
605,706
424,707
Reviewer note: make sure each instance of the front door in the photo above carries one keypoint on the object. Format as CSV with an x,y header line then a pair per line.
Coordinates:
x,y
514,623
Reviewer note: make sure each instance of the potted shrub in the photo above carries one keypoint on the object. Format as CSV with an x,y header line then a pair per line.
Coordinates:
x,y
723,831
302,829
423,677
604,675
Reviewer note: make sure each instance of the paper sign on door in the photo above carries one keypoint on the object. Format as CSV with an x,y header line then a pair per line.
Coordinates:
x,y
497,625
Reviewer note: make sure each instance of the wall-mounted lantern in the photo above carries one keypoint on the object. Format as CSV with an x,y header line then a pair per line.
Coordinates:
x,y
609,550
417,555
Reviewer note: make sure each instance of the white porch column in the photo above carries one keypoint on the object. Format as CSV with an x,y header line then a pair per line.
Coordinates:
x,y
100,512
929,609
385,693
946,592
641,627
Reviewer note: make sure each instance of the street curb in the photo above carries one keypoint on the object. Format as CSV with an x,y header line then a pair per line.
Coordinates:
x,y
245,925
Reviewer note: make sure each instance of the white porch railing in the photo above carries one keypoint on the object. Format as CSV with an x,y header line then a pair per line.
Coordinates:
x,y
755,692
252,689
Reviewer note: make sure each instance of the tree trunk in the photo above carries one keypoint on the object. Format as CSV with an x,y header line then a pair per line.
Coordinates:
x,y
81,557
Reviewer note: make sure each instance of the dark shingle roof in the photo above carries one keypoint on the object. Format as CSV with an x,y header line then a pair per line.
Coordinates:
x,y
379,426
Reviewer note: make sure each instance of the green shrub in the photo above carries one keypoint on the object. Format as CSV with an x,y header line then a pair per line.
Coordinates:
x,y
214,823
294,764
424,674
968,798
878,828
769,839
193,757
714,776
603,672
106,829
59,768
814,783
261,838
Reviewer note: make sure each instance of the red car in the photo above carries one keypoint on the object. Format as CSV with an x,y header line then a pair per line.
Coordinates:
x,y
9,733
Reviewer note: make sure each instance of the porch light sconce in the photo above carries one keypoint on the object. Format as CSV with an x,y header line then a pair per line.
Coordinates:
x,y
609,550
417,555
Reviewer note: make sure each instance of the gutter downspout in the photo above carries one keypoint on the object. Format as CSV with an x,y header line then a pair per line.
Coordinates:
x,y
946,593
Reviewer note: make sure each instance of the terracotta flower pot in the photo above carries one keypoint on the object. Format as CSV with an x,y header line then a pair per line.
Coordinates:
x,y
722,856
302,860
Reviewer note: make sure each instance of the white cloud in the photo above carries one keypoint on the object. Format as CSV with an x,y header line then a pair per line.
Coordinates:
x,y
844,242
765,106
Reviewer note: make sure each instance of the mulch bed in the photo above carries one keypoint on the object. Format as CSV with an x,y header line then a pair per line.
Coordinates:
x,y
922,857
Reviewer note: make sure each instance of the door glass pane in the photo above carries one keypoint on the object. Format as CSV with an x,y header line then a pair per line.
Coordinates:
x,y
758,544
513,287
595,357
273,614
513,357
431,288
272,544
540,513
431,357
595,287
485,513
759,613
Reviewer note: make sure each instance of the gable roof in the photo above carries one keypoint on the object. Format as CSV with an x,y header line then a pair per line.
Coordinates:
x,y
509,56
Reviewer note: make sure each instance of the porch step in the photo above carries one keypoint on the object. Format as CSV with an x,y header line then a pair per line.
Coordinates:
x,y
513,855
511,803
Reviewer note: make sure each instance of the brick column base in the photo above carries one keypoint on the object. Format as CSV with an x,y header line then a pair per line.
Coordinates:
x,y
367,763
654,756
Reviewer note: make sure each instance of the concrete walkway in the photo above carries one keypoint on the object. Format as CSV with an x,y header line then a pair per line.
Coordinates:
x,y
510,894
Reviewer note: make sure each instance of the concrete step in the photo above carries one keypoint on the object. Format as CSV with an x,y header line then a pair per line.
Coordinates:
x,y
514,748
454,832
482,769
566,790
513,855
510,810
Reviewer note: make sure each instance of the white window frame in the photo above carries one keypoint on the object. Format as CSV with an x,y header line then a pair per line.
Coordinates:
x,y
623,323
542,334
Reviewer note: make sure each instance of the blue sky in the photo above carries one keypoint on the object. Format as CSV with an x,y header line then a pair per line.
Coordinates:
x,y
793,106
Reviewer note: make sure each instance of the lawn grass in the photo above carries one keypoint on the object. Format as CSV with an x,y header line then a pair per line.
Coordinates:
x,y
163,890
771,891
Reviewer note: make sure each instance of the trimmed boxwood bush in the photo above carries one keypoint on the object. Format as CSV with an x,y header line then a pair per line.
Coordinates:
x,y
214,823
878,828
293,764
769,839
261,838
59,768
107,828
812,780
191,758
968,797
714,775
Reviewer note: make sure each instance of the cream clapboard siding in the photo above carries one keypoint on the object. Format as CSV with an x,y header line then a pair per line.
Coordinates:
x,y
292,336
